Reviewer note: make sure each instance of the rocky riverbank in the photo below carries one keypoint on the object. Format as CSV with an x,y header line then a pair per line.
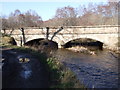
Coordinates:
x,y
82,49
85,50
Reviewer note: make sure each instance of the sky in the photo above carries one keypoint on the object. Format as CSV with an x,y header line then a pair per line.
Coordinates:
x,y
44,9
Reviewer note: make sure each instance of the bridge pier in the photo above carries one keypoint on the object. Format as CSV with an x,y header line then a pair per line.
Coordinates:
x,y
59,46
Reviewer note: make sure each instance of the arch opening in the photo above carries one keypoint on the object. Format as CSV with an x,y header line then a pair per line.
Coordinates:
x,y
42,44
85,42
33,42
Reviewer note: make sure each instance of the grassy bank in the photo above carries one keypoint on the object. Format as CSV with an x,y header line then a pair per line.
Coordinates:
x,y
59,75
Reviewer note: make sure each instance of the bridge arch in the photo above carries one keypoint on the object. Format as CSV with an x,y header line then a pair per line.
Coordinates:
x,y
42,43
62,40
33,37
33,42
85,42
84,38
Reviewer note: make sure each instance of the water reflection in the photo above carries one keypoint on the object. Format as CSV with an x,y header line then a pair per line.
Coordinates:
x,y
26,71
98,71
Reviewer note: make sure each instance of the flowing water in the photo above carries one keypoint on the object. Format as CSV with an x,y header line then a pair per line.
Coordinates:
x,y
94,71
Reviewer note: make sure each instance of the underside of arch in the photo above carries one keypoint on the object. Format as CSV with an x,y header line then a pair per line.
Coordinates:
x,y
86,42
42,42
33,42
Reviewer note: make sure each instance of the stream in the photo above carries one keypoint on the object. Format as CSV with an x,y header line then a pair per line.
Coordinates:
x,y
94,71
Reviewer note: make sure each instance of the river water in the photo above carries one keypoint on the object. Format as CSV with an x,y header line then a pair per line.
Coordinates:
x,y
94,71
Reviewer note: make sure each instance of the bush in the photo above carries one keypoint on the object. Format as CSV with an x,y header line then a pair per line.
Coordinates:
x,y
7,40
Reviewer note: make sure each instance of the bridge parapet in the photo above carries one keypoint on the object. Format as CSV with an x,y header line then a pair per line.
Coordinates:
x,y
67,29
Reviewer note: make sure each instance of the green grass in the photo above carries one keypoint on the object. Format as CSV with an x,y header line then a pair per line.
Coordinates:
x,y
62,77
59,75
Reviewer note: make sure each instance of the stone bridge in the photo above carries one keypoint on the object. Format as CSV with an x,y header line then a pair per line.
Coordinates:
x,y
108,35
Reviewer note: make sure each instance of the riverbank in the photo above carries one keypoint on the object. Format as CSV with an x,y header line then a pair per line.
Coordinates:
x,y
81,49
59,75
85,50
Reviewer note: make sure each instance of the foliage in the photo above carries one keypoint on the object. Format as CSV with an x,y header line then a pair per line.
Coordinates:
x,y
7,40
60,76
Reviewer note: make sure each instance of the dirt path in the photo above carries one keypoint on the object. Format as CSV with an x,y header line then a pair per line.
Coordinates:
x,y
16,74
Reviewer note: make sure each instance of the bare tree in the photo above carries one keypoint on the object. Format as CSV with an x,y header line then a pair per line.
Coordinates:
x,y
19,20
102,14
4,24
32,19
66,16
